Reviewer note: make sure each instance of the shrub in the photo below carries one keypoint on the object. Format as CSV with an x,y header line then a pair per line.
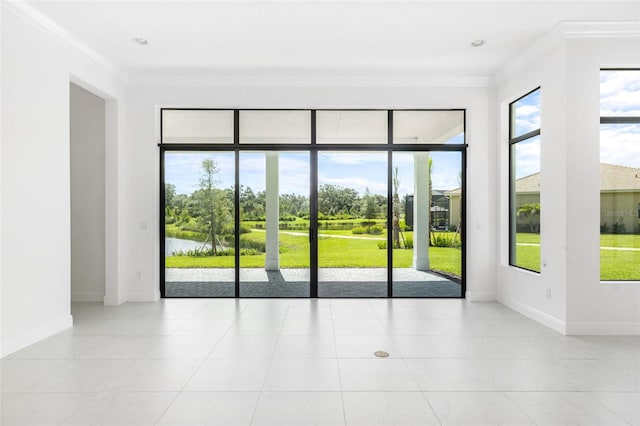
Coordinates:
x,y
408,242
444,241
375,230
618,228
249,252
358,230
604,228
382,245
367,223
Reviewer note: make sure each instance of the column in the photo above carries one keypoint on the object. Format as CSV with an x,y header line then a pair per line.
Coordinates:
x,y
272,212
421,207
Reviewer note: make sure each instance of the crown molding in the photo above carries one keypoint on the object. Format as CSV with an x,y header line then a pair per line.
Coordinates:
x,y
303,78
559,34
40,21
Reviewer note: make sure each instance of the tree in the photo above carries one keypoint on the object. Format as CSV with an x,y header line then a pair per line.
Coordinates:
x,y
169,194
432,236
333,199
370,208
528,212
396,209
211,203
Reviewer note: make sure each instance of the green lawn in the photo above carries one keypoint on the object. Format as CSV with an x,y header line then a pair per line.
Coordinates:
x,y
615,265
362,253
332,253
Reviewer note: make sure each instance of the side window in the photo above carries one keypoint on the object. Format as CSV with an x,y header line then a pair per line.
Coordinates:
x,y
619,175
524,182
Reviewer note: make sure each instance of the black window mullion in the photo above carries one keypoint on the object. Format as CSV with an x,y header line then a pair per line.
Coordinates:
x,y
390,207
236,142
163,207
313,210
620,120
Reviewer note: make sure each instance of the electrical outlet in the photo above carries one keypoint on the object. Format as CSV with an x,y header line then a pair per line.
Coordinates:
x,y
548,293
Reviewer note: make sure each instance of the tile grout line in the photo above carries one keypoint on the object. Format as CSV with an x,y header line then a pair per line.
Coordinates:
x,y
206,357
335,343
260,393
517,406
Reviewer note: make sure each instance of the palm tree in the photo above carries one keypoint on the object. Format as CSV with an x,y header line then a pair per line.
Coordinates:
x,y
431,234
396,209
529,211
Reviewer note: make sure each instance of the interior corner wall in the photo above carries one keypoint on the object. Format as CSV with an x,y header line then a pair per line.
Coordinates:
x,y
140,162
35,176
538,296
578,303
87,140
593,307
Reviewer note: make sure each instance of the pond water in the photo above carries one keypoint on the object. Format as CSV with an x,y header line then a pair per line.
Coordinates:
x,y
175,244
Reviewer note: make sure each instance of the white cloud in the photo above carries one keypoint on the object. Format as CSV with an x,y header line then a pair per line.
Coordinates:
x,y
352,158
620,144
527,158
620,93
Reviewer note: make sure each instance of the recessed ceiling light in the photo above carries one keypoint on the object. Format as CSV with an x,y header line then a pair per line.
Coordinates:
x,y
141,41
478,43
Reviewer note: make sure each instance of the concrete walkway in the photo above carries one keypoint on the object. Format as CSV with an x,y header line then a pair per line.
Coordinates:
x,y
601,248
332,282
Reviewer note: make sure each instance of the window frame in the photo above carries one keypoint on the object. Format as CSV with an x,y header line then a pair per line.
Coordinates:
x,y
512,143
313,148
620,119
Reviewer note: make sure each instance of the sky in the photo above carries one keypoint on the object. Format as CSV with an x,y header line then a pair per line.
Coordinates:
x,y
527,152
355,170
620,96
619,143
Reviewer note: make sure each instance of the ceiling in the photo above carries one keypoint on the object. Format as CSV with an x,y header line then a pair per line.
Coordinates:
x,y
423,36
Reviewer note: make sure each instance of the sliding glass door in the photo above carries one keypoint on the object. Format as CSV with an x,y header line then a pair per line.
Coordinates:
x,y
199,224
262,203
426,225
352,224
274,224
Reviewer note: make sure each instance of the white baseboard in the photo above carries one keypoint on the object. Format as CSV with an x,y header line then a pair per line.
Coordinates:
x,y
87,297
535,314
113,300
480,296
12,345
603,328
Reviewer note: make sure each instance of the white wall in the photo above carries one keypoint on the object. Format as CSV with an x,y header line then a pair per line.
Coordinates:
x,y
523,290
87,139
592,307
568,72
36,70
140,161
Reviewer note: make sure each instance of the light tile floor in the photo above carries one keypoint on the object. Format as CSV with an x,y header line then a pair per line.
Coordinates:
x,y
302,362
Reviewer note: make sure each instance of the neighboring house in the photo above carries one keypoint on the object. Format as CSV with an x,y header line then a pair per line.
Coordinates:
x,y
439,210
439,216
619,198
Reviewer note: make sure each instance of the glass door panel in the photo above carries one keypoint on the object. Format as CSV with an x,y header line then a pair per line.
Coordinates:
x,y
274,227
199,224
427,213
352,224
